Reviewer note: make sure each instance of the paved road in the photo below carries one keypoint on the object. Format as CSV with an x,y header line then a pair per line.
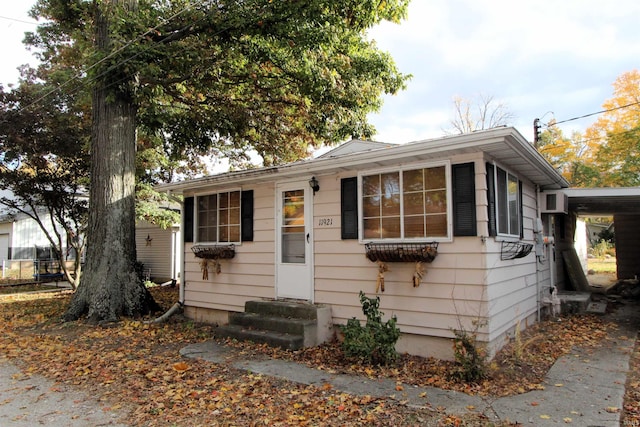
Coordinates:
x,y
32,400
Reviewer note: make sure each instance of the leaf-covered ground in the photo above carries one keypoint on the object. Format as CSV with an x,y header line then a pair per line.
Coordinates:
x,y
135,368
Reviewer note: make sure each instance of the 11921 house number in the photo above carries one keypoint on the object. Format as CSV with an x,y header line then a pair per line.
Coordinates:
x,y
325,222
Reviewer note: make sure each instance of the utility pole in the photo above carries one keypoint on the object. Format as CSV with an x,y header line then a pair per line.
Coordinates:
x,y
536,132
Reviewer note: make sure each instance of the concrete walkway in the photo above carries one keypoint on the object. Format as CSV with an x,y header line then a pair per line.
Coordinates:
x,y
585,387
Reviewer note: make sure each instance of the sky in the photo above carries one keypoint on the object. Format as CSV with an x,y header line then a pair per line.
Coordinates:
x,y
544,59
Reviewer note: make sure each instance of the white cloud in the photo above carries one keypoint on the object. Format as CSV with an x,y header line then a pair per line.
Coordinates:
x,y
537,56
12,32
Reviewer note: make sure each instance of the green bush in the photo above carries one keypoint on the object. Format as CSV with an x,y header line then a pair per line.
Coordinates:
x,y
375,342
470,359
602,249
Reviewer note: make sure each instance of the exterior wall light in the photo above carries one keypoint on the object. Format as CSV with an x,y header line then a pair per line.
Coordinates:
x,y
314,184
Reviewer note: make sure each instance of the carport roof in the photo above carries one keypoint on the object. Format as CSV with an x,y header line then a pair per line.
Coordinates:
x,y
604,201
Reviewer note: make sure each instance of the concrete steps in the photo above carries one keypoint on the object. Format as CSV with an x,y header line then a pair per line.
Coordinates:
x,y
286,324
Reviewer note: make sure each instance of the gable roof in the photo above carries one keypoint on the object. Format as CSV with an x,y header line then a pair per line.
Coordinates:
x,y
505,145
355,146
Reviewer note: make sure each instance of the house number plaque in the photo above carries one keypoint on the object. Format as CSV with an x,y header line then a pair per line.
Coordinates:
x,y
325,222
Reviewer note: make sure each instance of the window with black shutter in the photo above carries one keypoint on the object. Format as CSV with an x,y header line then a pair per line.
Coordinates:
x,y
247,216
187,228
464,199
505,202
349,207
491,199
225,217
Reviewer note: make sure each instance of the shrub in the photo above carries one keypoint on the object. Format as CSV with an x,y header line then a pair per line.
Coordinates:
x,y
602,249
470,358
375,341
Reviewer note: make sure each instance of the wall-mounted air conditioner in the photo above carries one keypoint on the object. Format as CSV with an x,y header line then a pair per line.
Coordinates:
x,y
553,202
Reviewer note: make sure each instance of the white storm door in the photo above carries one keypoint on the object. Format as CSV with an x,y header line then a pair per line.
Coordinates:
x,y
294,265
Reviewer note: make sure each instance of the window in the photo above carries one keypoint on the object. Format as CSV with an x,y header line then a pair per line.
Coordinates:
x,y
218,217
405,204
507,196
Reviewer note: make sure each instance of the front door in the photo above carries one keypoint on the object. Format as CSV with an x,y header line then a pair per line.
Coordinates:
x,y
294,254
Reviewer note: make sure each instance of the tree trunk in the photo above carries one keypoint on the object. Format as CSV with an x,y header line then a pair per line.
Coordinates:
x,y
111,287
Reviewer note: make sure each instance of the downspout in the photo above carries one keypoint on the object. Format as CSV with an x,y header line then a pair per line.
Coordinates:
x,y
536,237
181,249
180,304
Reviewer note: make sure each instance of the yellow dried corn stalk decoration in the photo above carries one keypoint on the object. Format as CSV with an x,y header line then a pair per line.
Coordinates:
x,y
418,274
204,266
382,268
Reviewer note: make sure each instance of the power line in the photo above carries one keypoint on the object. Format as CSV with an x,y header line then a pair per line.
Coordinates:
x,y
112,54
19,20
593,114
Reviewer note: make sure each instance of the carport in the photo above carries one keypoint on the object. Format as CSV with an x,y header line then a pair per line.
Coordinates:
x,y
624,205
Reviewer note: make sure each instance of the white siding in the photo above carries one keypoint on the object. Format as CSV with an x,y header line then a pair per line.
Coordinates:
x,y
4,246
6,229
156,249
27,233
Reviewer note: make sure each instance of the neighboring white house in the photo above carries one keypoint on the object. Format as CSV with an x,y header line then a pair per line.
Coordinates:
x,y
22,241
159,250
452,226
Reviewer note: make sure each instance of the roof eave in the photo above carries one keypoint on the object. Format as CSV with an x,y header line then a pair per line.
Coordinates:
x,y
425,148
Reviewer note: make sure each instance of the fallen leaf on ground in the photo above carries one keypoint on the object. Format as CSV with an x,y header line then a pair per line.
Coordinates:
x,y
180,367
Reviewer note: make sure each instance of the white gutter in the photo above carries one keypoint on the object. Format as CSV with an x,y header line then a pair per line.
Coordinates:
x,y
476,140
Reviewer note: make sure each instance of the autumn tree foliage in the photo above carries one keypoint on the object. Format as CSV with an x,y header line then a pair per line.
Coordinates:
x,y
607,154
185,78
616,134
572,156
43,165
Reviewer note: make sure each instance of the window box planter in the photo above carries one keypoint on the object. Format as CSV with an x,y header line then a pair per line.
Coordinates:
x,y
401,252
514,250
214,252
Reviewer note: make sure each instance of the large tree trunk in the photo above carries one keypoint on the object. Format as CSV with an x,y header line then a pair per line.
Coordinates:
x,y
111,286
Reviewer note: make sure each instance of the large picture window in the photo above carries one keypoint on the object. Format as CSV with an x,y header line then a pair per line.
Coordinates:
x,y
219,217
405,204
507,203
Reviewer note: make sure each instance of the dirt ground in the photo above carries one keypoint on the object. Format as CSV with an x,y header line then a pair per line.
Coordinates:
x,y
601,282
132,373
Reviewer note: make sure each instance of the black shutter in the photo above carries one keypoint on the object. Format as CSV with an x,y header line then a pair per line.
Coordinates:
x,y
520,209
491,200
246,211
349,207
464,200
187,228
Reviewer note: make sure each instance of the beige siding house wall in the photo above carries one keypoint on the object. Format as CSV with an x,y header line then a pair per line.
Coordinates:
x,y
468,282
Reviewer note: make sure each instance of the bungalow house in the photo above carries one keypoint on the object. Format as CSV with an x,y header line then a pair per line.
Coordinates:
x,y
449,232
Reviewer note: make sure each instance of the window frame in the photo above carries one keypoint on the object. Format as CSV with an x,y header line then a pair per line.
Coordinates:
x,y
196,217
514,231
400,170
